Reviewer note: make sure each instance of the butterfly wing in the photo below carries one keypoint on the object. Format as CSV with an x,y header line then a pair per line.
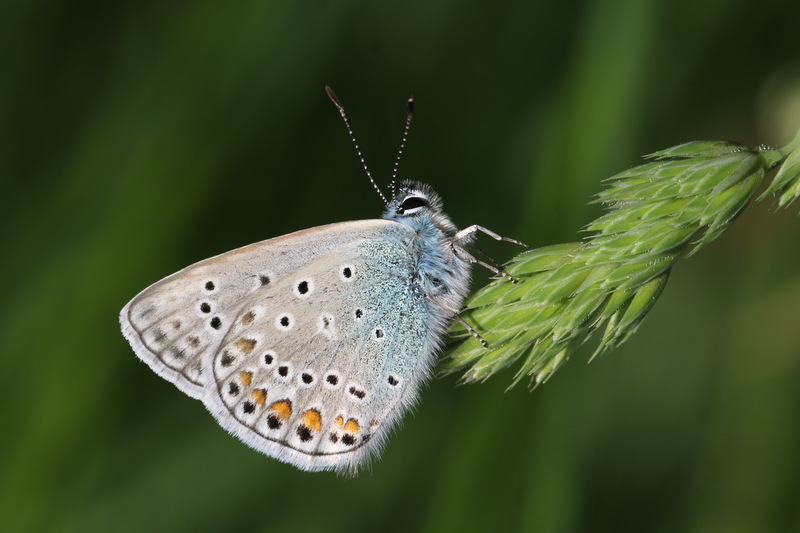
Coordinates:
x,y
308,347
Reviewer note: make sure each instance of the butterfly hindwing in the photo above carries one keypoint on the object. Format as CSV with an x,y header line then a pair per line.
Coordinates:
x,y
317,367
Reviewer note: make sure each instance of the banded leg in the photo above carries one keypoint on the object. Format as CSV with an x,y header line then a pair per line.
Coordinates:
x,y
467,232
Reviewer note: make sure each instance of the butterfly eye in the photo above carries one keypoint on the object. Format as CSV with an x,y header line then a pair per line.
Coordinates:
x,y
412,202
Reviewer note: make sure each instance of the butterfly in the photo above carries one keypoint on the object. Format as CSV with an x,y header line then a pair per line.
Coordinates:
x,y
311,347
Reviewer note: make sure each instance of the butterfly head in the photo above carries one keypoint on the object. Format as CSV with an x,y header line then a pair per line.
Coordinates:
x,y
416,204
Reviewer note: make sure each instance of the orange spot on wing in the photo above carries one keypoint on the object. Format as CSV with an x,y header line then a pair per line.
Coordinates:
x,y
245,345
245,378
247,319
339,421
352,426
282,409
312,420
259,396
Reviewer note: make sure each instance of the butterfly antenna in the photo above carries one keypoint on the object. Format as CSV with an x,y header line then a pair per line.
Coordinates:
x,y
409,113
338,105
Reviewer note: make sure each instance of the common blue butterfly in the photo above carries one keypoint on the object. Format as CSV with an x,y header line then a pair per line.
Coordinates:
x,y
310,347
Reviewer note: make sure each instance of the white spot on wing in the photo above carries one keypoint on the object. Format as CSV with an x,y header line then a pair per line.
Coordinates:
x,y
347,273
283,372
326,325
284,321
332,376
304,287
307,375
270,356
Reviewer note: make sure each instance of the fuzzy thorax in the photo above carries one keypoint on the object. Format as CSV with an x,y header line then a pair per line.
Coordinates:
x,y
442,270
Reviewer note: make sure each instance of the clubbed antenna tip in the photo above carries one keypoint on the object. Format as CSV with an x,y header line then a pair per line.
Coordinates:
x,y
334,98
409,114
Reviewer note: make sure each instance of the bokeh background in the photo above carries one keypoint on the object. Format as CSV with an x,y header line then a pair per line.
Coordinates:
x,y
138,137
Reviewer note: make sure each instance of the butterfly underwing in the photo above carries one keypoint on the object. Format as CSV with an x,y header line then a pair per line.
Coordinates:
x,y
310,347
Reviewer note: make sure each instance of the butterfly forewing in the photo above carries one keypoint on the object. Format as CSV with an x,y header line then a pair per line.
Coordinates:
x,y
176,322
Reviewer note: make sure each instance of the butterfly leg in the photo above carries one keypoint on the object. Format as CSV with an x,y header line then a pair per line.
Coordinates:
x,y
472,332
486,256
472,230
460,321
472,259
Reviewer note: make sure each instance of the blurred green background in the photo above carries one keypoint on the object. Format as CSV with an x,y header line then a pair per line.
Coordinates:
x,y
140,137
